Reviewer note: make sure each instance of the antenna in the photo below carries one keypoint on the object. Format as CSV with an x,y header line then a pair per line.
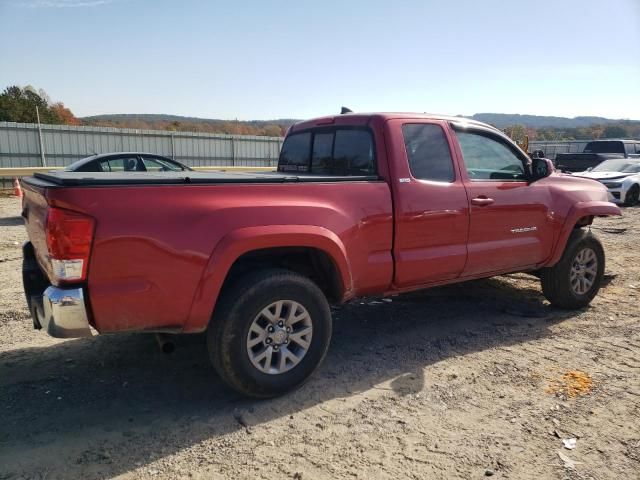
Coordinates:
x,y
344,110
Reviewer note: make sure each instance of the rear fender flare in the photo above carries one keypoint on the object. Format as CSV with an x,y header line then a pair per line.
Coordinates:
x,y
243,240
578,211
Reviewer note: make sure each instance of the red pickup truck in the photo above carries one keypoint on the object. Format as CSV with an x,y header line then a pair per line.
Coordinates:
x,y
371,204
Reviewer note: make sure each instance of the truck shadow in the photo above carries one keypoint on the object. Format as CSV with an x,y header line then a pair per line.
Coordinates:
x,y
101,407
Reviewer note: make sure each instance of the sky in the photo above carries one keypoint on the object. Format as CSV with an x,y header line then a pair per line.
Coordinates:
x,y
264,59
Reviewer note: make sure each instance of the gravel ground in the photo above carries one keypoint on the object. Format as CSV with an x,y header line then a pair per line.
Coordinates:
x,y
467,381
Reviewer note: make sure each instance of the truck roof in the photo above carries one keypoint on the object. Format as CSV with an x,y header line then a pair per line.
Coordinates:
x,y
365,118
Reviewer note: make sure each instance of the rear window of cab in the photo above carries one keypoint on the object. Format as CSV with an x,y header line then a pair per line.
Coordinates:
x,y
336,151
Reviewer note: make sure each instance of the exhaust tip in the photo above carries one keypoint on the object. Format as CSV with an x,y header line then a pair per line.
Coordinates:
x,y
166,345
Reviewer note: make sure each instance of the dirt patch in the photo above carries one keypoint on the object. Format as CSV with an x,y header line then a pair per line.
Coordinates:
x,y
446,383
571,384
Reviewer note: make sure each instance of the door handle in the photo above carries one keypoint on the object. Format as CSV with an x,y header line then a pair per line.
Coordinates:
x,y
482,201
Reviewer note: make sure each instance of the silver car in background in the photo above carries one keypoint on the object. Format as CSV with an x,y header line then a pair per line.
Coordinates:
x,y
621,176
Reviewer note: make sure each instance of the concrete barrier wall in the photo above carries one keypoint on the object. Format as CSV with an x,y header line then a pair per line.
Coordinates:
x,y
63,144
20,146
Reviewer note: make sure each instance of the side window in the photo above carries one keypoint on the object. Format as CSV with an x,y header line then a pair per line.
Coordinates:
x,y
321,156
489,159
630,148
353,153
120,165
158,165
428,152
151,165
294,156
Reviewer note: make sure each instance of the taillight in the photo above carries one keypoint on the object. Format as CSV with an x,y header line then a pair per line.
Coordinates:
x,y
69,237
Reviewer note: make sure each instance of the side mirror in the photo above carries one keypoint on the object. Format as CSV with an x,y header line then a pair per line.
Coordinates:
x,y
537,154
541,168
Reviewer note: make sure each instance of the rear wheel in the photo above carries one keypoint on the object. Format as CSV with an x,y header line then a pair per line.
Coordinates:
x,y
633,196
575,279
269,333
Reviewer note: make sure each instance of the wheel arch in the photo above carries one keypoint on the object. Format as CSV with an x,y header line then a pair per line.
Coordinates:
x,y
307,249
635,185
580,215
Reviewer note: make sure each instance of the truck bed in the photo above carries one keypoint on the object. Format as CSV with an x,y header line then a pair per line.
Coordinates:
x,y
157,236
61,178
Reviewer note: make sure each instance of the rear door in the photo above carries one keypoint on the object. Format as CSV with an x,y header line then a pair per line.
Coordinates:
x,y
510,223
430,203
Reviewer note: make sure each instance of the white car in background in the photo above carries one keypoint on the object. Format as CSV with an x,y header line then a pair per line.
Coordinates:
x,y
621,176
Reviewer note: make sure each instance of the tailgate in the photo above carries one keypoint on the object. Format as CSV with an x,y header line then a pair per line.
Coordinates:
x,y
34,212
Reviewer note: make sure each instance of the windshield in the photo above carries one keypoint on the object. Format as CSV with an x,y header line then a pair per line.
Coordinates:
x,y
604,147
632,168
618,165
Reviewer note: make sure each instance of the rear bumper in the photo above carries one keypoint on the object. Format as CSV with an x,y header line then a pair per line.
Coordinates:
x,y
61,312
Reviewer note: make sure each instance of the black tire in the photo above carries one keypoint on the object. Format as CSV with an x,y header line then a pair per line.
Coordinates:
x,y
237,308
633,196
556,280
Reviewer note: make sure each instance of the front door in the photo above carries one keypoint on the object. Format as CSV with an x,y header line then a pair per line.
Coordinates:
x,y
510,221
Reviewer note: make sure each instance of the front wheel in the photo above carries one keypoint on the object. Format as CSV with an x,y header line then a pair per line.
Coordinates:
x,y
575,280
269,333
632,197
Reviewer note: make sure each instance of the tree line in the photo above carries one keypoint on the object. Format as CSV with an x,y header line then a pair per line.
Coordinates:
x,y
204,126
622,129
25,104
19,105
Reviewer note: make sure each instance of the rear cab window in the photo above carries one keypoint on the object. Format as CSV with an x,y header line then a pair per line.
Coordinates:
x,y
295,153
337,151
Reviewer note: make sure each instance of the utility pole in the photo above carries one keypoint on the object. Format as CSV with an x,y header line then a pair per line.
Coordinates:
x,y
42,159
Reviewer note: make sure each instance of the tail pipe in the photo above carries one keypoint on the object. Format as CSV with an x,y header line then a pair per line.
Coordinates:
x,y
165,343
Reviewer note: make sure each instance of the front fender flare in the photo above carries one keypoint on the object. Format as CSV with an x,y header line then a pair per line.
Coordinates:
x,y
593,208
243,240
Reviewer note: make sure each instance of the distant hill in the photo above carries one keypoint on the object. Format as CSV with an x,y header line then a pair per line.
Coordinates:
x,y
499,120
502,120
270,128
161,117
